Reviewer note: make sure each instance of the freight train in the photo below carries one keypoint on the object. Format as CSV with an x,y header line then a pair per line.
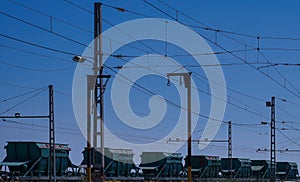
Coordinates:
x,y
29,161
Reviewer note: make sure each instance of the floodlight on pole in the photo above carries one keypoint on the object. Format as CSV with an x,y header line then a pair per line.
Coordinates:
x,y
79,59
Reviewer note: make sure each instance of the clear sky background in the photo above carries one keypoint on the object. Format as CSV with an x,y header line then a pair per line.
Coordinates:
x,y
67,29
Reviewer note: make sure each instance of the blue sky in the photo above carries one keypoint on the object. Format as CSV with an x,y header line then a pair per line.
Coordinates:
x,y
25,68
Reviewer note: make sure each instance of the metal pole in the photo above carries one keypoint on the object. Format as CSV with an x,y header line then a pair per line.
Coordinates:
x,y
273,142
96,70
188,86
99,88
101,95
52,158
90,86
230,148
50,116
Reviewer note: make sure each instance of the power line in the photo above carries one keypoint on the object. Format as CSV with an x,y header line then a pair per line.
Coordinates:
x,y
141,42
234,55
282,85
285,79
17,86
291,127
44,29
159,10
185,66
37,45
151,93
37,54
126,10
288,137
80,7
23,101
204,27
36,125
154,50
216,31
123,32
243,108
227,51
34,69
265,74
40,130
280,38
258,114
225,31
20,95
49,16
146,91
289,114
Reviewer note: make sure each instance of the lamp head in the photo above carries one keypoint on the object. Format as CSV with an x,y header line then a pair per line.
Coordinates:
x,y
79,59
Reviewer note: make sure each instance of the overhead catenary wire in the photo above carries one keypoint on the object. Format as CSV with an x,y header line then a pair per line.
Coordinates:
x,y
234,55
288,137
285,79
17,86
75,54
145,90
22,101
38,130
151,93
225,31
86,10
205,27
288,113
37,45
47,48
44,29
265,74
20,95
34,69
235,105
259,114
36,125
58,19
77,6
227,51
53,58
236,40
49,16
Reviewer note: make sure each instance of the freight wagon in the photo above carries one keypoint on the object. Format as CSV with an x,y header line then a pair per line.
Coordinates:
x,y
29,160
32,158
